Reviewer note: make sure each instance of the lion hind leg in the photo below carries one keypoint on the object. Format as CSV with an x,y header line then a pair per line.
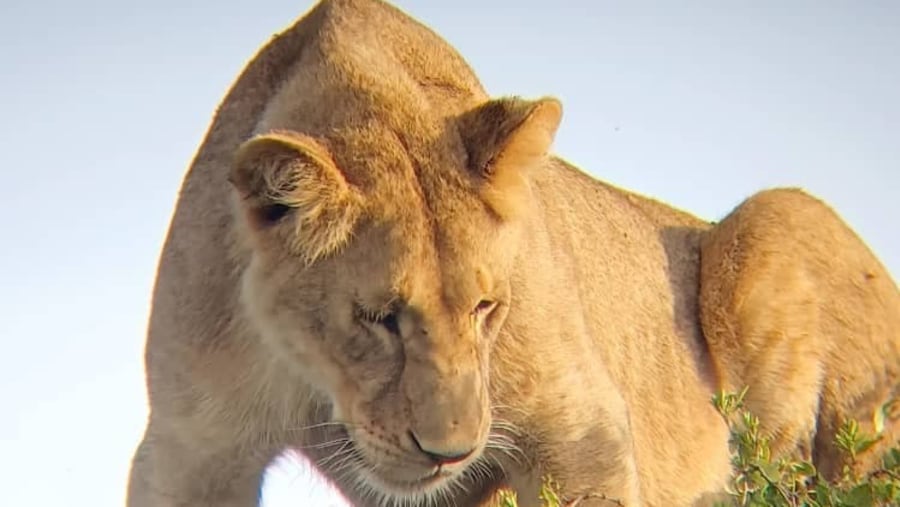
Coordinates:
x,y
760,310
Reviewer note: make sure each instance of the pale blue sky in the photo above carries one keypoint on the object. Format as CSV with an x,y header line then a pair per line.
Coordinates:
x,y
103,103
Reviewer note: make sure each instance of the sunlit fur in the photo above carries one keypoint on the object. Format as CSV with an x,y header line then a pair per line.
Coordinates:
x,y
371,255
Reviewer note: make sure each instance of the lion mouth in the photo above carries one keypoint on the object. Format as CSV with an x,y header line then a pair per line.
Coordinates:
x,y
392,480
424,482
422,487
343,454
396,480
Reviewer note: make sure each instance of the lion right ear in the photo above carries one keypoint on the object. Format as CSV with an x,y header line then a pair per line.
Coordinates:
x,y
506,138
290,180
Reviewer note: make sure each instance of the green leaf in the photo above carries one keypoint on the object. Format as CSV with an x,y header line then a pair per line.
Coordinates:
x,y
823,494
879,416
860,496
865,443
804,467
892,459
508,499
886,411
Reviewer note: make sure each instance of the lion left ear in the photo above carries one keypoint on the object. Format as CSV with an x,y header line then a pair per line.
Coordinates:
x,y
505,138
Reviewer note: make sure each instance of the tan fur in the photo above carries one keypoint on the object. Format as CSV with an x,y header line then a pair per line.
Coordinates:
x,y
795,306
371,258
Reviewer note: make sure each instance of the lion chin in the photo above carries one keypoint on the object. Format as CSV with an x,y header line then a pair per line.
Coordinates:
x,y
405,483
438,485
374,262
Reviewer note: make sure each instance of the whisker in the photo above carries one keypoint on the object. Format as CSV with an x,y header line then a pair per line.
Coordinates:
x,y
498,407
511,453
508,448
322,445
343,424
336,454
502,424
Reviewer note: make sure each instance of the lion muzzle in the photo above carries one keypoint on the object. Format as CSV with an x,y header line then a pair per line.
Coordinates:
x,y
449,413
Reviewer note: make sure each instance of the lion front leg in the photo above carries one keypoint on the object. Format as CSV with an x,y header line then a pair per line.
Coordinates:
x,y
612,476
586,450
167,471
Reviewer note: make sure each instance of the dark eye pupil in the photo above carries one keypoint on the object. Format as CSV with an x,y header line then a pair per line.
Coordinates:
x,y
274,212
389,321
386,319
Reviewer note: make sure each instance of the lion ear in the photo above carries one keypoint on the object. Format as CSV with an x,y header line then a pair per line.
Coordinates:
x,y
505,138
290,180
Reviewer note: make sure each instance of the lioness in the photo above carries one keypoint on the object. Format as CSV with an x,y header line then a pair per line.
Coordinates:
x,y
378,265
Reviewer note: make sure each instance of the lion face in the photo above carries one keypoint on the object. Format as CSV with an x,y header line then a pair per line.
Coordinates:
x,y
380,272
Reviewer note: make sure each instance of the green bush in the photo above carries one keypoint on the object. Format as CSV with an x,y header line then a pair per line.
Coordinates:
x,y
758,480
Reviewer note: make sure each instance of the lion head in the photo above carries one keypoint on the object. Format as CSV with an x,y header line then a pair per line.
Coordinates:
x,y
382,232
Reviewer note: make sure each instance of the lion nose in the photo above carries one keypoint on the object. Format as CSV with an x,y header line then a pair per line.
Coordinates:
x,y
441,456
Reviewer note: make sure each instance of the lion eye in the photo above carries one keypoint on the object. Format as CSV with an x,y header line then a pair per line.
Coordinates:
x,y
484,306
273,213
387,320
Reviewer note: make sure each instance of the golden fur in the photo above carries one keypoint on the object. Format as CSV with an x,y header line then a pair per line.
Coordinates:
x,y
374,263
